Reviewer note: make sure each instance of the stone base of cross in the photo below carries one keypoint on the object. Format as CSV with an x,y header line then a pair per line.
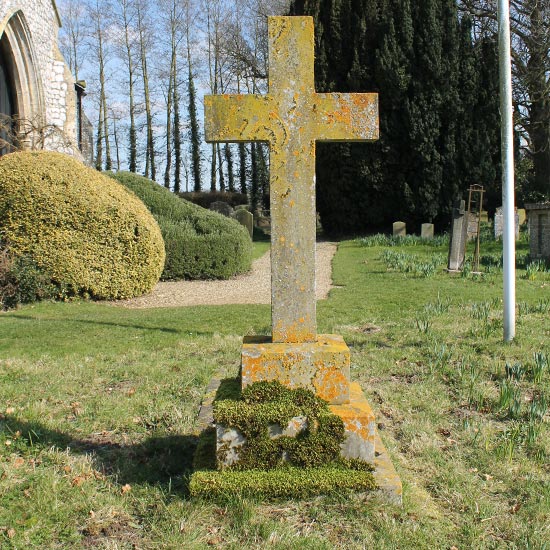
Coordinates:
x,y
322,366
291,118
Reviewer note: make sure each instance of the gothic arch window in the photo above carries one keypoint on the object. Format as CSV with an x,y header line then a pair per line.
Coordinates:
x,y
23,95
7,106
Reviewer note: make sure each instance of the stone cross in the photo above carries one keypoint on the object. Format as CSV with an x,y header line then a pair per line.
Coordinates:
x,y
292,117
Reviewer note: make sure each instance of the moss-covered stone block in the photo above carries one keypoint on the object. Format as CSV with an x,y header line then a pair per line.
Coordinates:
x,y
349,471
269,426
286,482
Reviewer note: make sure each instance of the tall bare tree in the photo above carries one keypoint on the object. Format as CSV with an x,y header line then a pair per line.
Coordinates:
x,y
144,32
175,16
194,137
127,46
98,13
530,27
73,38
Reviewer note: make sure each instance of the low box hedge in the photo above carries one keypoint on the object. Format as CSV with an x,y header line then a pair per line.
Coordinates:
x,y
83,231
200,244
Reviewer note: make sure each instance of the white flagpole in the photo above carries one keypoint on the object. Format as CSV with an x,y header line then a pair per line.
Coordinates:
x,y
507,138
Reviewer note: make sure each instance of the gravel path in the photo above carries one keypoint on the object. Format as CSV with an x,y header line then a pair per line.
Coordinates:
x,y
251,288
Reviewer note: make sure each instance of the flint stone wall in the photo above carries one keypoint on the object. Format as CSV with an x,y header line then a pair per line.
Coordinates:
x,y
53,75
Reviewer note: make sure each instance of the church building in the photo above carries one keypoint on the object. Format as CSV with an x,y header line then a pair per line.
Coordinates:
x,y
40,103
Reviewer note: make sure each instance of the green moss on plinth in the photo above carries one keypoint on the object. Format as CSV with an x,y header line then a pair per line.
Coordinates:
x,y
270,425
286,482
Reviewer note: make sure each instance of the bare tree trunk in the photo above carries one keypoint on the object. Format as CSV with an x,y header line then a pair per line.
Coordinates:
x,y
99,140
212,21
230,174
108,160
213,169
169,99
220,169
177,137
193,122
130,66
242,168
98,17
150,168
115,136
72,36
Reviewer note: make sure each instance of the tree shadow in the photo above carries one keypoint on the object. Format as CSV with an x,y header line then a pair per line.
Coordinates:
x,y
165,461
107,323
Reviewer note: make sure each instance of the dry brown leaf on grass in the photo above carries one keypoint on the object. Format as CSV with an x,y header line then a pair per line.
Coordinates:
x,y
10,532
78,481
125,488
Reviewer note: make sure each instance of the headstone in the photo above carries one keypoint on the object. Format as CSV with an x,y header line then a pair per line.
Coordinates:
x,y
399,229
473,223
427,231
246,218
539,230
222,208
499,223
457,244
292,117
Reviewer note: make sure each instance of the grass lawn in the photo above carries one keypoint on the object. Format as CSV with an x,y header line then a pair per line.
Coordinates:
x,y
98,407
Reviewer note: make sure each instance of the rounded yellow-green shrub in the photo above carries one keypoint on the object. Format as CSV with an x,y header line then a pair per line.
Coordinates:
x,y
84,230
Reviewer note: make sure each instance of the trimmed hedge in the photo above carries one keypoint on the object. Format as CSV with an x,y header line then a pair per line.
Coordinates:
x,y
200,244
84,231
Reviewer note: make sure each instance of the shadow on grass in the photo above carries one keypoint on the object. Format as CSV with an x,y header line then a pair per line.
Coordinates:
x,y
107,323
166,461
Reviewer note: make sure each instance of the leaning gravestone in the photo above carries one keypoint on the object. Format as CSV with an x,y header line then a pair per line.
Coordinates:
x,y
246,218
459,236
427,231
399,229
292,117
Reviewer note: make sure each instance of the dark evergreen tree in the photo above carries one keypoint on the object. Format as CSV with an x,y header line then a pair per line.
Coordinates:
x,y
263,174
229,161
254,176
421,60
177,141
485,164
242,167
220,169
194,137
213,167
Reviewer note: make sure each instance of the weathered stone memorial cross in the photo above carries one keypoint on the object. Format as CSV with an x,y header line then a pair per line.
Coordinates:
x,y
291,118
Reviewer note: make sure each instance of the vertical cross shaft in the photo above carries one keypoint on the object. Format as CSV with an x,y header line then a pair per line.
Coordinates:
x,y
291,118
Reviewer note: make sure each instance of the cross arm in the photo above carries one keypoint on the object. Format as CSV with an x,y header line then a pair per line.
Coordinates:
x,y
346,117
233,118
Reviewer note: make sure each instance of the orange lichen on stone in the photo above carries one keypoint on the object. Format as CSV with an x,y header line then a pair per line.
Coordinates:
x,y
359,424
322,366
